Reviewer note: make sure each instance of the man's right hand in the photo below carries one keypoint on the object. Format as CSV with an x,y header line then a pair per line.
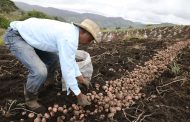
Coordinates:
x,y
82,100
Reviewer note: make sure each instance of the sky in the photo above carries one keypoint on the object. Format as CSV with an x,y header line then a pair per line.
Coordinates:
x,y
144,11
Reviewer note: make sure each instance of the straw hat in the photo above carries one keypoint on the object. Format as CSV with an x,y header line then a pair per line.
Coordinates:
x,y
92,28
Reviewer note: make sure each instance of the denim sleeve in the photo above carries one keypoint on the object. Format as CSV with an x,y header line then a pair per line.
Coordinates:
x,y
68,65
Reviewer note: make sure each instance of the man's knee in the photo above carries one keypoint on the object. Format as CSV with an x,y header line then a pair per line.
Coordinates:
x,y
36,78
41,73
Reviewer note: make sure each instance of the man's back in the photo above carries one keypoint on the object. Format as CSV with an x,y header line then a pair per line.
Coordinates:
x,y
43,34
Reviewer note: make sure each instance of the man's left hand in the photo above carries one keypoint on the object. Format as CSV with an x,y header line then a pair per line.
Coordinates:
x,y
84,81
87,83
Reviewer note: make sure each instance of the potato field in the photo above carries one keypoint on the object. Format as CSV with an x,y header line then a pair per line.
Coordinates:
x,y
140,75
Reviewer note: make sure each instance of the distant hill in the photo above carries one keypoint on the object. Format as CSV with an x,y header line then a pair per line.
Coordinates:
x,y
104,22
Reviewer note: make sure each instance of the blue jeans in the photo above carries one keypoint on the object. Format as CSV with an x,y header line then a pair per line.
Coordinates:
x,y
38,62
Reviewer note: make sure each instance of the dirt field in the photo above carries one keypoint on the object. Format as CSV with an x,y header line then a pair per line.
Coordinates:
x,y
165,99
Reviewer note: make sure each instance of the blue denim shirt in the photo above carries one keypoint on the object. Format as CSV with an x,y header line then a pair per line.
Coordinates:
x,y
54,36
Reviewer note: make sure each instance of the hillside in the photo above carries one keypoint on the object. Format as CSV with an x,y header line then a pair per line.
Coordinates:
x,y
7,6
9,12
104,22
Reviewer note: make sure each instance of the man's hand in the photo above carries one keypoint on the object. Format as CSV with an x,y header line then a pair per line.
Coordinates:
x,y
84,81
82,100
87,83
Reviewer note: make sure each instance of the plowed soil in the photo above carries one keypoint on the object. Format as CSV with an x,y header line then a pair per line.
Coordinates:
x,y
167,97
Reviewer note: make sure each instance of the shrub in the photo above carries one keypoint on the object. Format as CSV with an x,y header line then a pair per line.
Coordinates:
x,y
36,14
4,23
1,41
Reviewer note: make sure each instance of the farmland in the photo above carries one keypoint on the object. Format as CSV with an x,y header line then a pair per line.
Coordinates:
x,y
140,75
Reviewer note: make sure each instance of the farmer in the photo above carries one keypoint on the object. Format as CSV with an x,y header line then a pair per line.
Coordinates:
x,y
39,43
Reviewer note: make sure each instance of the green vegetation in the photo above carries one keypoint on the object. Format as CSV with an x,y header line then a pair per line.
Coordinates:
x,y
4,23
36,14
9,12
1,41
7,6
175,68
2,31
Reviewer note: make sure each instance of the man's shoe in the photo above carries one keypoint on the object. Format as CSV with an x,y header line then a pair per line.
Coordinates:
x,y
31,101
35,106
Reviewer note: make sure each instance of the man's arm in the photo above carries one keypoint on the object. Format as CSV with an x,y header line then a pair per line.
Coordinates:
x,y
67,62
77,70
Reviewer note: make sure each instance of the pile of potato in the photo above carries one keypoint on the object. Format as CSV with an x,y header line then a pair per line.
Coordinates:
x,y
120,93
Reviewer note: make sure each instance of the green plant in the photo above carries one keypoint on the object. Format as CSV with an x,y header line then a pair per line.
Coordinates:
x,y
1,42
4,23
175,68
36,14
2,31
